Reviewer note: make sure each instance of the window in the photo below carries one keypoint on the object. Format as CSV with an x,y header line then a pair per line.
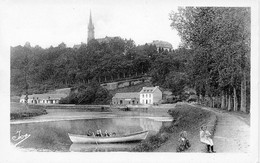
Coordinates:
x,y
150,101
121,102
143,95
150,95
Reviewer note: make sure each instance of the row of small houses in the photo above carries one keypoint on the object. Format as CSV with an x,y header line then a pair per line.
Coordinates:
x,y
43,98
148,95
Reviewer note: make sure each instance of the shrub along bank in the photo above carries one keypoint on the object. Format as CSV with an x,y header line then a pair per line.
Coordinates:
x,y
89,94
21,111
185,118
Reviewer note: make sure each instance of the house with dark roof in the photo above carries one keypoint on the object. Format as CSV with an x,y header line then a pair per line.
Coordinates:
x,y
106,39
150,95
43,98
77,46
164,45
129,98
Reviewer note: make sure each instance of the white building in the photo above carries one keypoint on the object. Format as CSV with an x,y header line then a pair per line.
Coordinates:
x,y
43,98
150,95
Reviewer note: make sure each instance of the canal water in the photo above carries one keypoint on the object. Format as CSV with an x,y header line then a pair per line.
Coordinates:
x,y
53,135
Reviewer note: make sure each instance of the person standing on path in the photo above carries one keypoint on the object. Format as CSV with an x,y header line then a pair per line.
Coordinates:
x,y
205,138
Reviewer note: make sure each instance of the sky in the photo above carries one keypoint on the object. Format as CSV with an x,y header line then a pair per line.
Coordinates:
x,y
47,23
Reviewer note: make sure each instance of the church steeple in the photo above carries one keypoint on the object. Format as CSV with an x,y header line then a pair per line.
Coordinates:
x,y
90,29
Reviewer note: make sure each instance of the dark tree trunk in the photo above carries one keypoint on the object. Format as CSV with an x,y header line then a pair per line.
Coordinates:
x,y
235,99
198,99
229,102
213,102
223,100
226,100
243,94
203,99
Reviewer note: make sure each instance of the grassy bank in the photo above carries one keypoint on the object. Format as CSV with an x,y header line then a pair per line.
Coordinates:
x,y
20,111
186,118
87,108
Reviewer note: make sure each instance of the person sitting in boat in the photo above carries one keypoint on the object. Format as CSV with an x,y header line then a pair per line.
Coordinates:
x,y
99,133
113,134
106,134
90,133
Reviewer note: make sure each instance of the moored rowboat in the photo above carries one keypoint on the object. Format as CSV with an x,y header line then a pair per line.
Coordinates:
x,y
113,139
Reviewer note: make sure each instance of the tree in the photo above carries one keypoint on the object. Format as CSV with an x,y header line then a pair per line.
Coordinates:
x,y
219,38
176,81
91,93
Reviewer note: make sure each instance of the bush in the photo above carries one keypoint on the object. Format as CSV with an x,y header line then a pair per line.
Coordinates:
x,y
21,111
88,94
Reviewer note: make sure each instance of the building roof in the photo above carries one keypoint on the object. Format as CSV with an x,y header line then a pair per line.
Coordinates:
x,y
127,95
106,39
77,46
161,44
149,89
45,96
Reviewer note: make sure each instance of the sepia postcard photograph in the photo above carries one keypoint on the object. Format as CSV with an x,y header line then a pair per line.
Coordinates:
x,y
129,81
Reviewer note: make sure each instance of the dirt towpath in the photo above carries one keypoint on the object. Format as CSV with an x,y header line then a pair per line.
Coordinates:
x,y
232,133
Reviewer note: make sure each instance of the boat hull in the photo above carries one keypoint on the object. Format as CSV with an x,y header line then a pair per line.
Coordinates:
x,y
117,139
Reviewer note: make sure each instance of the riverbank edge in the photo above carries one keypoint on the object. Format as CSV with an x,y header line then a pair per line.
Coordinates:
x,y
26,114
154,142
20,111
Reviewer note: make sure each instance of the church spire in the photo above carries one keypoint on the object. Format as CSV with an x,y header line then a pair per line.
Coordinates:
x,y
90,28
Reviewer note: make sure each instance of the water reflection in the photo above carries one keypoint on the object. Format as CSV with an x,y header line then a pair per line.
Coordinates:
x,y
54,135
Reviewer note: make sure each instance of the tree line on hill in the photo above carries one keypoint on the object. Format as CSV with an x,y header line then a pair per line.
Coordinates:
x,y
214,59
40,70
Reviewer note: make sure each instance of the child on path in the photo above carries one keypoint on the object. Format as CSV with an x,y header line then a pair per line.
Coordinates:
x,y
184,142
205,138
